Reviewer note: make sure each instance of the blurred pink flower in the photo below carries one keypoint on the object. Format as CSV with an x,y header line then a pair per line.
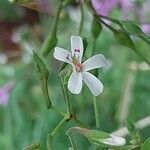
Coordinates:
x,y
103,7
126,8
145,28
44,5
5,93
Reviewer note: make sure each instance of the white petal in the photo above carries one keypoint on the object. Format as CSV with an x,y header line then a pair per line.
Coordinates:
x,y
114,141
97,61
75,83
95,86
62,55
77,47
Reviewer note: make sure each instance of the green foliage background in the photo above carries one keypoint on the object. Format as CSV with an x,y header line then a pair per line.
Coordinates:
x,y
26,119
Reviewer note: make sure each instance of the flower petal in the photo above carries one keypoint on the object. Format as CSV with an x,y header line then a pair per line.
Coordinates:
x,y
62,55
97,61
75,83
95,86
77,47
114,141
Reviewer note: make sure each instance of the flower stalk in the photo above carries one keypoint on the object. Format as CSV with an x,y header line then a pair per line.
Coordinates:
x,y
68,104
96,111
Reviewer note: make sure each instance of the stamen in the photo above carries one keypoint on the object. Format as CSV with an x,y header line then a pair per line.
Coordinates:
x,y
77,50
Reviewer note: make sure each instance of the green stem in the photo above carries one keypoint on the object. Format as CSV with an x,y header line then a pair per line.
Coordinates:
x,y
94,46
51,39
61,123
96,112
82,19
57,17
69,108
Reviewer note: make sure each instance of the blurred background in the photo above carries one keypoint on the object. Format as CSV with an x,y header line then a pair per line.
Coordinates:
x,y
24,118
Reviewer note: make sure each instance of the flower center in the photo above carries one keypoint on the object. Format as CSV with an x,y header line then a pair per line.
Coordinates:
x,y
78,67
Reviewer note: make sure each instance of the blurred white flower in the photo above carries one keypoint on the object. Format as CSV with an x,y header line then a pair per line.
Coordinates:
x,y
80,70
3,58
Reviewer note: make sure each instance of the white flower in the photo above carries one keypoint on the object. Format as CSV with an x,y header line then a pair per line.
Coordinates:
x,y
80,69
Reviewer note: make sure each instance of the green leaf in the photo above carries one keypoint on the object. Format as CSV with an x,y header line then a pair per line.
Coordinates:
x,y
146,145
123,35
40,67
134,134
96,28
145,38
65,73
124,39
42,74
131,27
130,126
